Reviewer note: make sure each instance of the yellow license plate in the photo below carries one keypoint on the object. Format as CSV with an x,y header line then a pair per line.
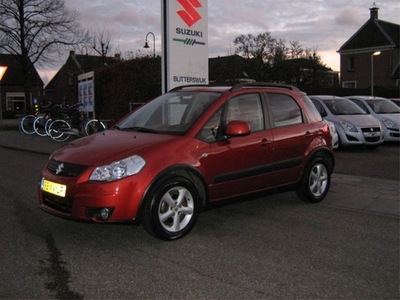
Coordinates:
x,y
54,188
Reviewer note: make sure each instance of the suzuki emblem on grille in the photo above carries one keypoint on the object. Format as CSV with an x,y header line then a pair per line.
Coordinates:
x,y
59,168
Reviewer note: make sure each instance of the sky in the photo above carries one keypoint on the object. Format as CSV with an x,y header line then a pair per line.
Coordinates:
x,y
324,25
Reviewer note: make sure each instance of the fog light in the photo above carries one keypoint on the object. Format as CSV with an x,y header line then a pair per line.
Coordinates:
x,y
104,213
99,213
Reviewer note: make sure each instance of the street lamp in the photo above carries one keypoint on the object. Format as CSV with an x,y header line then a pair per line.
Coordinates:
x,y
146,45
372,70
3,69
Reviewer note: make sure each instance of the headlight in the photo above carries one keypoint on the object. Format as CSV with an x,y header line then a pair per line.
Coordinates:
x,y
118,169
348,126
390,124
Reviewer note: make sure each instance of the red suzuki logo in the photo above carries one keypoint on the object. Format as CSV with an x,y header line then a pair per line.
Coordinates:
x,y
189,15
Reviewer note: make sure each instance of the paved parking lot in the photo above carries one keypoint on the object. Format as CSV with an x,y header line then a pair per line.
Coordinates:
x,y
370,194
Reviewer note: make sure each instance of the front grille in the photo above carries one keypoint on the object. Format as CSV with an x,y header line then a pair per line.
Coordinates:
x,y
63,204
65,169
371,129
371,134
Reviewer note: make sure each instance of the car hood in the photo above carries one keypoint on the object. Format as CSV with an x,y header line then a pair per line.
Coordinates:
x,y
394,117
111,145
359,120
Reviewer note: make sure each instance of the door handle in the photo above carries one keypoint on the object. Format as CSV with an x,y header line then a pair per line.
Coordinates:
x,y
265,142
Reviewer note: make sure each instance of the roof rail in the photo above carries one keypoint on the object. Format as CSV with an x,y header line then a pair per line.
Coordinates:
x,y
186,86
264,84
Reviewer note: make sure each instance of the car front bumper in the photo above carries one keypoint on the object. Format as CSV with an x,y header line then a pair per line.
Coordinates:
x,y
115,201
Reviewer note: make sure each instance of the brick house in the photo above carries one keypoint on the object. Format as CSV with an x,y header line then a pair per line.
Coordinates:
x,y
63,87
371,56
13,102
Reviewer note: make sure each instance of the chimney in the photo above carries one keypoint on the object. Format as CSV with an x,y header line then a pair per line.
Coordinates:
x,y
374,12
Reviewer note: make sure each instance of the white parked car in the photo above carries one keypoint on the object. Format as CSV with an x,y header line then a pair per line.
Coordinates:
x,y
353,125
334,135
383,109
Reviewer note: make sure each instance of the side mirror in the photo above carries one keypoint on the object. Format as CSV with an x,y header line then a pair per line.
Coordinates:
x,y
237,128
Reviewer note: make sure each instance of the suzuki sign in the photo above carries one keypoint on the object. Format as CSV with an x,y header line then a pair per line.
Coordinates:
x,y
185,43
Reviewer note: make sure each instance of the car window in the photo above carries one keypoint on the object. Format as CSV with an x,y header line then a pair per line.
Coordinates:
x,y
343,107
315,114
210,130
246,108
361,105
383,106
319,107
285,110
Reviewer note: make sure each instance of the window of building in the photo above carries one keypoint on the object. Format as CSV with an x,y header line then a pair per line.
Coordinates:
x,y
350,64
349,84
15,101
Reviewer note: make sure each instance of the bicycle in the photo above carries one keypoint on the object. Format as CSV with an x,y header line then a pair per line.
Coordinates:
x,y
60,130
42,122
27,123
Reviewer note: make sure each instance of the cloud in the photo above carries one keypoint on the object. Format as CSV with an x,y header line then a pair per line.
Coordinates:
x,y
324,25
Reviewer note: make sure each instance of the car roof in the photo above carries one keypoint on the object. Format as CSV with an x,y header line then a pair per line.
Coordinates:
x,y
325,97
367,98
236,87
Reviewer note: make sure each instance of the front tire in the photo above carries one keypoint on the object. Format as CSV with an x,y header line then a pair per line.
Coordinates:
x,y
171,209
316,181
93,126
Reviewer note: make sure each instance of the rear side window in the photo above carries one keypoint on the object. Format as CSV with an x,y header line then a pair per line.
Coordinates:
x,y
315,114
285,110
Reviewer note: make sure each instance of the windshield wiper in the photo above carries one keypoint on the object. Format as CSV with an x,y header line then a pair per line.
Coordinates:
x,y
137,128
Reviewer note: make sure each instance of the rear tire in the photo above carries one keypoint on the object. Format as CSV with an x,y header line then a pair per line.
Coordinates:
x,y
57,130
171,209
40,125
316,181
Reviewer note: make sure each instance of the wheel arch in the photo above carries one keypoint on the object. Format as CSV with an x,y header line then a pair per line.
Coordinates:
x,y
184,171
323,153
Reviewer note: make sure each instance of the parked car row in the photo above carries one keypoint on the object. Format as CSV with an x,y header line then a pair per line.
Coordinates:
x,y
360,120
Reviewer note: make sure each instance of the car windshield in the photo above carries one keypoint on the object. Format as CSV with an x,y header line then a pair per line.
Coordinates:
x,y
383,106
171,113
343,107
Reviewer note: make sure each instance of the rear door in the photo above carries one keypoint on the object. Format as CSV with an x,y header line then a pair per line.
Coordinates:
x,y
238,165
292,134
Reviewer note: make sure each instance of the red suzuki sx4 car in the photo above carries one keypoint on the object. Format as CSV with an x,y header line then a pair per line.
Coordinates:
x,y
164,162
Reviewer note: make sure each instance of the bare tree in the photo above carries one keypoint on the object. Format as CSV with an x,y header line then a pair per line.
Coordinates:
x,y
37,32
269,58
101,43
260,47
